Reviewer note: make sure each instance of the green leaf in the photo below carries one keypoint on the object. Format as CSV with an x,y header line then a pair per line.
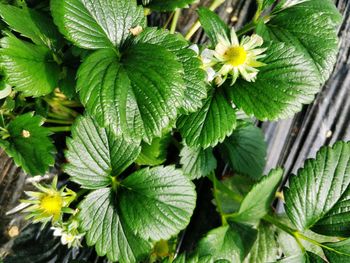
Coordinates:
x,y
307,257
245,151
168,5
265,248
282,87
209,125
232,242
310,27
29,144
194,76
107,230
337,252
97,24
150,204
212,25
154,153
136,95
257,203
30,23
320,188
160,202
197,162
30,68
265,3
96,154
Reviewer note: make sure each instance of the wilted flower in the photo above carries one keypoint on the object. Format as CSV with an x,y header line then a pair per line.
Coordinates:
x,y
69,233
48,203
206,57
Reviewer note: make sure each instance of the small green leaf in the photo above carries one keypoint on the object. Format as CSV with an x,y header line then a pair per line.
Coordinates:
x,y
245,151
97,24
160,202
338,252
310,27
96,154
265,248
257,203
30,23
282,87
168,5
30,68
232,242
320,188
212,25
29,144
108,231
209,125
155,153
197,162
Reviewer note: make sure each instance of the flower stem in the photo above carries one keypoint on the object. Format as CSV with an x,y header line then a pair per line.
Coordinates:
x,y
58,121
60,129
175,20
214,5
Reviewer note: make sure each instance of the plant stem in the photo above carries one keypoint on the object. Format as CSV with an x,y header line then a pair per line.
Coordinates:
x,y
59,121
168,20
217,200
215,4
60,129
175,20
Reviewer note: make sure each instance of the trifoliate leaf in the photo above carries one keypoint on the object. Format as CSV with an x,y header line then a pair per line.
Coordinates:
x,y
194,76
310,27
96,154
337,252
197,162
257,203
30,23
154,153
209,125
150,204
265,248
320,188
212,25
30,68
232,242
245,151
134,94
110,233
168,5
283,85
97,24
29,144
160,202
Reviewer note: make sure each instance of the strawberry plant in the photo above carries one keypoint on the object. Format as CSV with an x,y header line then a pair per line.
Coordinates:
x,y
146,115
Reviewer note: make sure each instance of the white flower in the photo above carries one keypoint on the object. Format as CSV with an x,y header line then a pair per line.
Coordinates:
x,y
206,57
5,92
238,58
69,233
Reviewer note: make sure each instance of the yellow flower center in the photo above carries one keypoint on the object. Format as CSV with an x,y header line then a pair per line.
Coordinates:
x,y
52,205
235,56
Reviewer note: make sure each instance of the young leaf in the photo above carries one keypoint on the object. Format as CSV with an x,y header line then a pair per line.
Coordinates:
x,y
110,233
209,125
197,162
245,151
29,144
136,95
154,153
212,24
168,5
30,68
265,248
30,23
286,83
97,24
257,202
96,154
232,242
338,252
194,77
160,202
310,27
320,188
